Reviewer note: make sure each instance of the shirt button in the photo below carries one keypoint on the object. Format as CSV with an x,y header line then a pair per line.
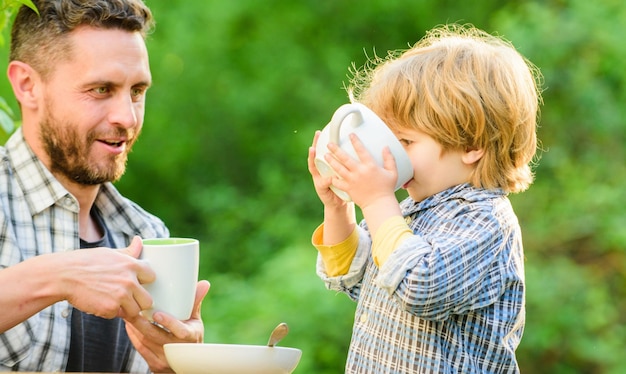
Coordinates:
x,y
65,313
363,318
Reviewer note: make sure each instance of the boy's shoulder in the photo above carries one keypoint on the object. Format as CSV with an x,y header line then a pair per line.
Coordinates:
x,y
463,194
462,209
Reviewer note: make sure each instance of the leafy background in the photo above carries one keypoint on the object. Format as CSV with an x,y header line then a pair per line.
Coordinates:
x,y
241,86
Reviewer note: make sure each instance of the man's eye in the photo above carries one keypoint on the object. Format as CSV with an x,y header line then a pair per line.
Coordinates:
x,y
137,92
101,90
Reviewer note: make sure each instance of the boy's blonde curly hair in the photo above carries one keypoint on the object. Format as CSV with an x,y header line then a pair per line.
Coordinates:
x,y
468,90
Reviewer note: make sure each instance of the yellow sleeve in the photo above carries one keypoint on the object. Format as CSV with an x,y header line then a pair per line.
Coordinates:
x,y
389,236
337,258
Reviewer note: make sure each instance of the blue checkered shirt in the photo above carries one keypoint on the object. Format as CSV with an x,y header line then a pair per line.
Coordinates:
x,y
38,216
450,299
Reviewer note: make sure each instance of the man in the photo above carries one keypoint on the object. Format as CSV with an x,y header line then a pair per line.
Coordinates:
x,y
69,302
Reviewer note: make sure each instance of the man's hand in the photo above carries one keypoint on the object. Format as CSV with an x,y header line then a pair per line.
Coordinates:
x,y
148,338
106,282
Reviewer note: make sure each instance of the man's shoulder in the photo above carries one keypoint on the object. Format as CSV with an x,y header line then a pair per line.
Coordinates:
x,y
128,215
16,153
4,159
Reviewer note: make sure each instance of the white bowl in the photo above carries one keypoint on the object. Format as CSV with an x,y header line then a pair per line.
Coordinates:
x,y
204,358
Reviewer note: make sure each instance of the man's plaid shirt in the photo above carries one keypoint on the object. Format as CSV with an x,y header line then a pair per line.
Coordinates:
x,y
38,216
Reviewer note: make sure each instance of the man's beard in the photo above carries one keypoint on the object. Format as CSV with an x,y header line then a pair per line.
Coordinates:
x,y
69,154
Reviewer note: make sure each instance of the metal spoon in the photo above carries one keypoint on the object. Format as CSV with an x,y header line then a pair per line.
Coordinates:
x,y
279,332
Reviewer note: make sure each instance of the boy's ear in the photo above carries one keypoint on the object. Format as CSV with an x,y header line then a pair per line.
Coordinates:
x,y
472,155
23,80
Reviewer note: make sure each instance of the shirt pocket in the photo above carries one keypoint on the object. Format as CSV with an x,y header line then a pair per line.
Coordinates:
x,y
16,343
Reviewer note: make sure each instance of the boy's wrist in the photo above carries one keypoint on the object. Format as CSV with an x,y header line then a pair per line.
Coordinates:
x,y
383,205
345,210
379,210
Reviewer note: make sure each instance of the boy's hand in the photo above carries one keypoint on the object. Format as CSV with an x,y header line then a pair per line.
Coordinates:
x,y
363,180
322,184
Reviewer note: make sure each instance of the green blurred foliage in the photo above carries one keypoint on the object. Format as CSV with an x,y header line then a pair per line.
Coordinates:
x,y
574,215
241,86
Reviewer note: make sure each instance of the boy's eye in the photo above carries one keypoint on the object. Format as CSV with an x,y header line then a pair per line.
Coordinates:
x,y
405,142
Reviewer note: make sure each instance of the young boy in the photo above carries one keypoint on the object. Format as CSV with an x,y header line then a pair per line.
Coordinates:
x,y
439,278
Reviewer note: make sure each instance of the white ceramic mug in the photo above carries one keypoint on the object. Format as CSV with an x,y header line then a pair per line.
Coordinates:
x,y
175,262
372,132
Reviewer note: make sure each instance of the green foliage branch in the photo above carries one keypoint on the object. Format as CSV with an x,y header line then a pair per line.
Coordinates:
x,y
7,9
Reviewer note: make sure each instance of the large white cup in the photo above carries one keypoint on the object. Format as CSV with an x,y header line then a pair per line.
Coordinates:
x,y
372,132
175,262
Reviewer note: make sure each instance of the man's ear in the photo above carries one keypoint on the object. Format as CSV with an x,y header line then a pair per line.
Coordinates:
x,y
24,80
472,155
